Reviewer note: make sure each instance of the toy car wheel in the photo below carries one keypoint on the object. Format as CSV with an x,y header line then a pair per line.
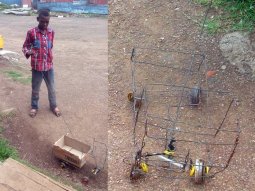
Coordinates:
x,y
195,95
130,97
135,173
62,164
199,171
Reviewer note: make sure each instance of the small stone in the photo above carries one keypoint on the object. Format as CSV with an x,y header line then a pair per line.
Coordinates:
x,y
223,67
161,38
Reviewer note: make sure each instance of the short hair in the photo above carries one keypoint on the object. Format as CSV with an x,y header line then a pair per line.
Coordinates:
x,y
44,13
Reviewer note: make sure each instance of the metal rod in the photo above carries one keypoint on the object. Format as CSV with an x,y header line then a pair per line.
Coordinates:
x,y
225,116
190,141
191,125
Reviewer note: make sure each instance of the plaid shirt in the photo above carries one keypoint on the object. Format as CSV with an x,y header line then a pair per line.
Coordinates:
x,y
41,44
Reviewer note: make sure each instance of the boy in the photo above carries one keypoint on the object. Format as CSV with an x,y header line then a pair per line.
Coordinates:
x,y
38,45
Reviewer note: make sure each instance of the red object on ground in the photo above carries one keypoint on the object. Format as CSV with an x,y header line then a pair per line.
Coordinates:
x,y
85,180
210,73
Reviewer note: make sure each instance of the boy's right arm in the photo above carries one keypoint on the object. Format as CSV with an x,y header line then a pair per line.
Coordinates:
x,y
27,46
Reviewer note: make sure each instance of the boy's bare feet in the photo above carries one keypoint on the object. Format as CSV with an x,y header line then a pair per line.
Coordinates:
x,y
56,111
33,113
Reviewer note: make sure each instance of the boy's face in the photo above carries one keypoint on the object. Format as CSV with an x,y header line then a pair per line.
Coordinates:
x,y
43,22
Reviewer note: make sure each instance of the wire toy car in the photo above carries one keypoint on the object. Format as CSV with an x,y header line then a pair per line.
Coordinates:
x,y
183,127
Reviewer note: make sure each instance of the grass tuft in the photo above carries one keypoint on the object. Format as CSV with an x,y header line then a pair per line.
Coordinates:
x,y
212,25
233,15
6,150
19,77
4,6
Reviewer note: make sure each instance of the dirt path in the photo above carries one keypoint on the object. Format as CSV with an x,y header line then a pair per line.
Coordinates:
x,y
80,61
170,24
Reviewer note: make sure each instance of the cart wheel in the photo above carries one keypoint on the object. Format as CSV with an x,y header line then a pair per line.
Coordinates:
x,y
130,97
62,164
199,171
135,173
95,171
138,103
195,95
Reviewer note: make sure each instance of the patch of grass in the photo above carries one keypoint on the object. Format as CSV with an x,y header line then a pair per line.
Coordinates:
x,y
19,77
4,6
233,15
6,150
212,25
202,2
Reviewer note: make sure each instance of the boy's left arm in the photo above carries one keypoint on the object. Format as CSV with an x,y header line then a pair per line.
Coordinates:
x,y
27,46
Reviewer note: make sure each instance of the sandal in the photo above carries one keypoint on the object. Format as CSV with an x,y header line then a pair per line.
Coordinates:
x,y
33,113
56,112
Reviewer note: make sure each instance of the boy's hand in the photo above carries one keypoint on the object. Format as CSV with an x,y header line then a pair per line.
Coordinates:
x,y
29,53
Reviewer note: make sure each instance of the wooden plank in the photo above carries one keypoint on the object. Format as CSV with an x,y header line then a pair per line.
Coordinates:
x,y
17,176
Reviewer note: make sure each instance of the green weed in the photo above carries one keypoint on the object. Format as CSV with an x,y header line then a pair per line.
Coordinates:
x,y
6,150
19,77
233,15
212,25
4,6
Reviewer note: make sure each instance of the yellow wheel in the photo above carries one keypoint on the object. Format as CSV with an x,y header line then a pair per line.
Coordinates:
x,y
135,173
130,97
144,167
192,171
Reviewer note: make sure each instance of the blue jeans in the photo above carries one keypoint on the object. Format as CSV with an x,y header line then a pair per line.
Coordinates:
x,y
37,77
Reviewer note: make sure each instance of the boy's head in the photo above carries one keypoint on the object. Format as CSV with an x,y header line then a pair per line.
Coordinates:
x,y
43,19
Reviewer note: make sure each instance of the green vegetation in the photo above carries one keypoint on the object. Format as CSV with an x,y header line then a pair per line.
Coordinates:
x,y
212,25
6,150
19,77
232,15
4,6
